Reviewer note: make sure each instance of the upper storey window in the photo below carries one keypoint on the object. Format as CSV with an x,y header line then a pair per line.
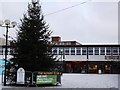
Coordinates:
x,y
102,51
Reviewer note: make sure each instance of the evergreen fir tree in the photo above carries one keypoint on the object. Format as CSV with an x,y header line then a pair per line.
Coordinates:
x,y
33,48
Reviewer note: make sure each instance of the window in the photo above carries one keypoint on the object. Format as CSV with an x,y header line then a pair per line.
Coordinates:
x,y
1,51
93,67
84,51
61,43
102,51
68,43
78,51
72,51
107,67
54,51
96,50
11,51
66,51
8,52
115,51
108,50
90,50
60,51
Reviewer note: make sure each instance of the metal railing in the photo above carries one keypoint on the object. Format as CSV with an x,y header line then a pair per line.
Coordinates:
x,y
33,78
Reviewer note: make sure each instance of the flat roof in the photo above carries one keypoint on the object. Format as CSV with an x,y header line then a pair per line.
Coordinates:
x,y
104,45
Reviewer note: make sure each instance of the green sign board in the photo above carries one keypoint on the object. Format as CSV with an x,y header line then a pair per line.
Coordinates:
x,y
46,79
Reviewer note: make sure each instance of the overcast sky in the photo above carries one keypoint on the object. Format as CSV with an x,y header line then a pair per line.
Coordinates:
x,y
95,21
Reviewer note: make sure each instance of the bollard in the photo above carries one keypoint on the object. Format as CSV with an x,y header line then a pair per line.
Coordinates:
x,y
99,71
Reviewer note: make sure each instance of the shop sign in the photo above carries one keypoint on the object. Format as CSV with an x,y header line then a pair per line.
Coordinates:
x,y
112,57
50,73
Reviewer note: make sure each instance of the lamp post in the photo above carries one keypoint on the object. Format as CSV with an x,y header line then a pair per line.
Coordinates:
x,y
7,24
35,2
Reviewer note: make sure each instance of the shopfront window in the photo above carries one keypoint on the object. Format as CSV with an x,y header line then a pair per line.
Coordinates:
x,y
93,67
107,67
69,68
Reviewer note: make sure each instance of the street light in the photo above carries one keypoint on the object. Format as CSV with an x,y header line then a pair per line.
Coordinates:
x,y
35,2
6,24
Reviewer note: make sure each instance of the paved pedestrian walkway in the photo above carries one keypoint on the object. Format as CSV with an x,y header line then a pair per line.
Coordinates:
x,y
87,81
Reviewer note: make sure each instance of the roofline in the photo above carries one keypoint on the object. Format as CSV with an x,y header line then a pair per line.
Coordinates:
x,y
104,45
68,41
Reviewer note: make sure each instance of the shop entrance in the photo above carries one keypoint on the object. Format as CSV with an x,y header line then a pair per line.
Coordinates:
x,y
75,67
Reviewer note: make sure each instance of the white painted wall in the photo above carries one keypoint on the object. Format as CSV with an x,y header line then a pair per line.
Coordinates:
x,y
84,58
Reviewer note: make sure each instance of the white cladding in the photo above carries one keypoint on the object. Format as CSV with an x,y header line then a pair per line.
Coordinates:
x,y
84,58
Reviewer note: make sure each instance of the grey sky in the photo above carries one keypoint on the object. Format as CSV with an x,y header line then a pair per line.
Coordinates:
x,y
92,22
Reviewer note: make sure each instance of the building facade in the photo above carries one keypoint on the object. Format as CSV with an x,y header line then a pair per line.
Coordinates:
x,y
78,58
88,58
73,57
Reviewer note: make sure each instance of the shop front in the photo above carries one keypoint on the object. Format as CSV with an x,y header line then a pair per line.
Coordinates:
x,y
91,67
